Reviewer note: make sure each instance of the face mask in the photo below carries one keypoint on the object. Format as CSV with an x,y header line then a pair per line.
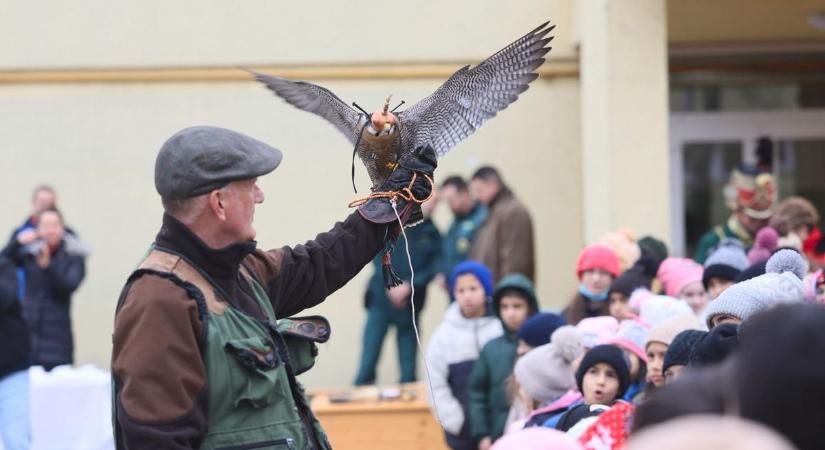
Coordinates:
x,y
591,296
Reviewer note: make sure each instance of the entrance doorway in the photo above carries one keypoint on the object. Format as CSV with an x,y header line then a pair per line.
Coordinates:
x,y
705,147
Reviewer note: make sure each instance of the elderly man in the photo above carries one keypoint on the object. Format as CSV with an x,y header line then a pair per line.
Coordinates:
x,y
203,356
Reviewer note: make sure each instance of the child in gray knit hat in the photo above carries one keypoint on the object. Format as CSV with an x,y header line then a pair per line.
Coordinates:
x,y
782,283
546,373
723,266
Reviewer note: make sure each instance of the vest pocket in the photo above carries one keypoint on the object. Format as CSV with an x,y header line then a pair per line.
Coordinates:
x,y
254,377
275,444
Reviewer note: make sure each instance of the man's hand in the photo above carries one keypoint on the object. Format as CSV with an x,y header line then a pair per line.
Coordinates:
x,y
417,165
485,444
26,237
400,295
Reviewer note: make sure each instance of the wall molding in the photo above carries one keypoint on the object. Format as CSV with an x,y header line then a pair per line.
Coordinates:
x,y
552,69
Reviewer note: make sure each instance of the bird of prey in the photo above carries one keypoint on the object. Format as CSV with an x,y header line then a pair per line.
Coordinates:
x,y
453,112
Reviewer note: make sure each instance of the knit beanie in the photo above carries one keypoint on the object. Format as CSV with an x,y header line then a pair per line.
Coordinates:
x,y
594,330
765,243
476,268
538,328
546,372
536,438
667,330
715,346
610,355
623,243
597,257
782,282
676,273
659,308
726,262
708,431
654,248
678,352
752,271
633,278
780,372
631,336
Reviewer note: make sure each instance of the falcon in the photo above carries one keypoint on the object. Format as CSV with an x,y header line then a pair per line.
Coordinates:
x,y
459,107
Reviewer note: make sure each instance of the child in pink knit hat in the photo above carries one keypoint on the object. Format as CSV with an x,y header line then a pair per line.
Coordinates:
x,y
682,278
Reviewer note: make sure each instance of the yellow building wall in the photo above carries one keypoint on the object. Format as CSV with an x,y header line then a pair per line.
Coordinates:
x,y
96,142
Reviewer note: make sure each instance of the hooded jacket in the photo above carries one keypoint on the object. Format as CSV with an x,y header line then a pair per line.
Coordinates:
x,y
489,403
453,349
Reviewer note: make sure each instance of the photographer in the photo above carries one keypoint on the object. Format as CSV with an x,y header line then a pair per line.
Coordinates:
x,y
53,262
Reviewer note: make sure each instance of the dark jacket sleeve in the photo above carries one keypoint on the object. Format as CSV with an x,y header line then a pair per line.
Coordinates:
x,y
8,284
303,276
478,408
66,274
12,250
158,368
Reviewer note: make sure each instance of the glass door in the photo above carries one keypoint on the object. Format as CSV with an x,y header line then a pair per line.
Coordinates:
x,y
705,147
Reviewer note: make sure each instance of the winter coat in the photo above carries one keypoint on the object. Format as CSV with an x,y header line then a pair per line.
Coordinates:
x,y
451,353
13,332
489,402
425,252
460,236
582,307
504,243
47,298
730,229
161,391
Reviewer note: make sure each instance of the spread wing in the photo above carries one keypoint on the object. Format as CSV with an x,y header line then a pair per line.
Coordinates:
x,y
317,100
470,97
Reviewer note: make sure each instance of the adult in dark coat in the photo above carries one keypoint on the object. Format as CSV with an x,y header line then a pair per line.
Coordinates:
x,y
54,267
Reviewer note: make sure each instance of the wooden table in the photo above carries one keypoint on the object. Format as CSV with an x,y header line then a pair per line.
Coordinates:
x,y
361,419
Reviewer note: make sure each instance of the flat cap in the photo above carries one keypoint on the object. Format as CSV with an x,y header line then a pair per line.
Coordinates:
x,y
197,160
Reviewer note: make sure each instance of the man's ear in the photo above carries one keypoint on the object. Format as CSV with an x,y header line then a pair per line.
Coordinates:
x,y
216,204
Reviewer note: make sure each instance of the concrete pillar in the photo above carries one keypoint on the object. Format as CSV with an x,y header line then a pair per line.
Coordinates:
x,y
624,116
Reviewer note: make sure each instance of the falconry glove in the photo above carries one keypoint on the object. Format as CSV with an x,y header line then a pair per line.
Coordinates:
x,y
409,185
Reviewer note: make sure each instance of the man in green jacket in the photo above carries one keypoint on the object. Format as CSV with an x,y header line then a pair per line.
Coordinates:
x,y
514,300
469,215
205,354
751,195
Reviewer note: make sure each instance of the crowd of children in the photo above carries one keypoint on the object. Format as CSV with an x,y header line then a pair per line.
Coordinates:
x,y
736,342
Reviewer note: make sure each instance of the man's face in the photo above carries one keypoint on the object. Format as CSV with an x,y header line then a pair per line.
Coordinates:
x,y
42,200
239,199
751,224
456,199
485,191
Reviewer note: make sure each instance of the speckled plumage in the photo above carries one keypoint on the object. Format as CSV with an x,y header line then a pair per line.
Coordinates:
x,y
470,97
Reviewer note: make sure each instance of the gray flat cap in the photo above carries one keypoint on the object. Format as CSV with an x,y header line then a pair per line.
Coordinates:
x,y
197,160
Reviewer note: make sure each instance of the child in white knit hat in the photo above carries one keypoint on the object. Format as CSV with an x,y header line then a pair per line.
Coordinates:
x,y
782,283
